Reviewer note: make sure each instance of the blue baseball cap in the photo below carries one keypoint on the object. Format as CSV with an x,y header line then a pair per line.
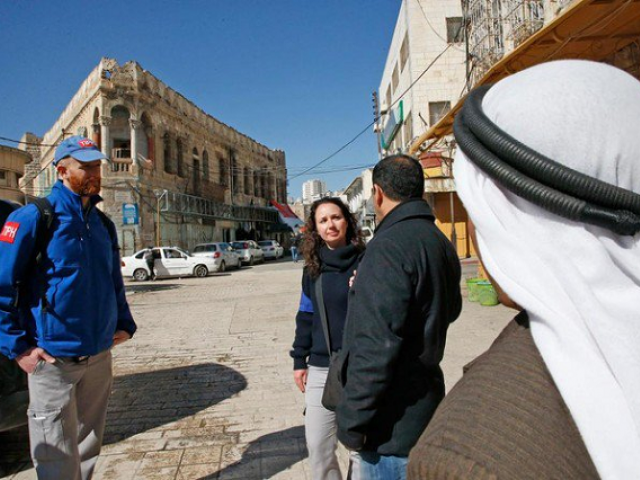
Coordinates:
x,y
80,148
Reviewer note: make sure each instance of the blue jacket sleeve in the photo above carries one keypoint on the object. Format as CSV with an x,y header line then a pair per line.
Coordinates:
x,y
125,319
17,242
304,322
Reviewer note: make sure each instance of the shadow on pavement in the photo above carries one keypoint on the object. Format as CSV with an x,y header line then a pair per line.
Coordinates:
x,y
149,287
267,456
140,402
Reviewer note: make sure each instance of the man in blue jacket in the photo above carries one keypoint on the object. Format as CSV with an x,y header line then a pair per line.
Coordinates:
x,y
60,318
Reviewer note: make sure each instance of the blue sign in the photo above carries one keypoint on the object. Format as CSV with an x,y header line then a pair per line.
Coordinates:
x,y
130,214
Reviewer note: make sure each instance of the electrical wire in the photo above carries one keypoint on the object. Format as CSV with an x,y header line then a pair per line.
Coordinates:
x,y
434,30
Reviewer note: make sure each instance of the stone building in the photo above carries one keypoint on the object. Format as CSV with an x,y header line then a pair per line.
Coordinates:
x,y
506,36
12,166
427,54
423,77
177,175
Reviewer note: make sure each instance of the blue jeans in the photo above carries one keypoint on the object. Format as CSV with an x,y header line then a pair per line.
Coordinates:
x,y
294,254
373,466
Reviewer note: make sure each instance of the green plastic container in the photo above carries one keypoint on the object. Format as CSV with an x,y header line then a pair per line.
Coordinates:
x,y
487,295
472,289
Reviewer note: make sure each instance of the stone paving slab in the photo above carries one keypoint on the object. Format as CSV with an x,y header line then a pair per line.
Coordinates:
x,y
205,390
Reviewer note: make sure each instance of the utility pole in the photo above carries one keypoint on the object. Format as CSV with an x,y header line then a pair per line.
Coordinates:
x,y
376,121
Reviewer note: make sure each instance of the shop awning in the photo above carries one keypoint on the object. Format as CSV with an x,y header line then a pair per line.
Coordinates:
x,y
587,29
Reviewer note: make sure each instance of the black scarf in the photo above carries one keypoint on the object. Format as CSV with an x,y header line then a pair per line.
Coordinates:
x,y
339,259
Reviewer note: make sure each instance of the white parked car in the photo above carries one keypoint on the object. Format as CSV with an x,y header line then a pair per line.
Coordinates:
x,y
168,262
222,253
271,249
249,251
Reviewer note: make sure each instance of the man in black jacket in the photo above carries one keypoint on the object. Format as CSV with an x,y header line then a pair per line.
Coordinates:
x,y
405,295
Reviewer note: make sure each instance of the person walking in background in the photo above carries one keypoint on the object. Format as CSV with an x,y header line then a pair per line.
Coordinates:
x,y
60,317
557,226
295,243
405,295
149,258
331,251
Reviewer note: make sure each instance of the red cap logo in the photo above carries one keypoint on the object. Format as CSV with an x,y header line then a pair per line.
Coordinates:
x,y
86,143
9,232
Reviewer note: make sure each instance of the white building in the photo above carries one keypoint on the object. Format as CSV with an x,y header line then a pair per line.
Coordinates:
x,y
313,189
427,48
357,196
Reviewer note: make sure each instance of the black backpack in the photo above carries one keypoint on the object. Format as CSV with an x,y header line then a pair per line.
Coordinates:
x,y
44,229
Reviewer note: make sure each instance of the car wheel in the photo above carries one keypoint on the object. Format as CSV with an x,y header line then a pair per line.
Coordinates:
x,y
200,271
250,261
222,268
140,275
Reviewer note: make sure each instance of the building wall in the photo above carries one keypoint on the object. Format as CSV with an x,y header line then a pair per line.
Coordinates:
x,y
12,165
313,188
158,140
422,25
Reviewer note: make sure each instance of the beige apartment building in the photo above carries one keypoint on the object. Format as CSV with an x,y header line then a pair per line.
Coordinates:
x,y
177,176
12,166
506,36
424,76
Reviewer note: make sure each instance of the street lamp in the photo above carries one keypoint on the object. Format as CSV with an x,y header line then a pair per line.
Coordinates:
x,y
159,194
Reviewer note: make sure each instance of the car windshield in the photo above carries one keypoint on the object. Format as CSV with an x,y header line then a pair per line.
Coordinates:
x,y
240,245
265,243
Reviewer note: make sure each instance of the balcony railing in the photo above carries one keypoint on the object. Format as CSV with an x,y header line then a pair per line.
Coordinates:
x,y
121,161
180,203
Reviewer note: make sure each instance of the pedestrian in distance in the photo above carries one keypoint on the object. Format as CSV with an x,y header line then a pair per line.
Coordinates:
x,y
331,250
555,199
405,295
60,316
150,259
295,243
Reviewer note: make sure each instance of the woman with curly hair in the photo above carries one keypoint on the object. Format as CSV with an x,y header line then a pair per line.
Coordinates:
x,y
331,248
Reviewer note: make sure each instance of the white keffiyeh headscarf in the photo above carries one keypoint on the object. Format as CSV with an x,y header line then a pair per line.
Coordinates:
x,y
580,284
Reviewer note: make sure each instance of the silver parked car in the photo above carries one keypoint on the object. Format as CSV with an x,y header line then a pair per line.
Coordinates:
x,y
271,249
249,251
222,253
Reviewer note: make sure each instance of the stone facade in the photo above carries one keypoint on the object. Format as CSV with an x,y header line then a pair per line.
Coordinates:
x,y
191,177
12,166
424,29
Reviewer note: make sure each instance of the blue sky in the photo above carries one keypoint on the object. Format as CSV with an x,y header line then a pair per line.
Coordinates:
x,y
293,74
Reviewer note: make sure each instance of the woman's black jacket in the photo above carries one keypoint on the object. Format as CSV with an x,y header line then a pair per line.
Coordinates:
x,y
309,346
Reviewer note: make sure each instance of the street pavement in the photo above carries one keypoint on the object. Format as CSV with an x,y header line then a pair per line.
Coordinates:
x,y
205,389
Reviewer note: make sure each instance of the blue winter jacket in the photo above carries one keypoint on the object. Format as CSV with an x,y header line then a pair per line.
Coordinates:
x,y
79,277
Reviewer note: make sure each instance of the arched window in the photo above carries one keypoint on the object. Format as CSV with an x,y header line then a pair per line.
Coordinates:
x,y
247,181
256,183
145,139
235,177
169,165
224,176
197,170
205,166
182,171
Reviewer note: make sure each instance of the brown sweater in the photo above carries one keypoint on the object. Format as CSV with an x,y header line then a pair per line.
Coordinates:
x,y
505,419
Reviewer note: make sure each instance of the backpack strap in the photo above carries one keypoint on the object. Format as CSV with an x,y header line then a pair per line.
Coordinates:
x,y
44,227
44,230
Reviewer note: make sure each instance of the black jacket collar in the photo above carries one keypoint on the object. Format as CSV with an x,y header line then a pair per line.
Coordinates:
x,y
412,208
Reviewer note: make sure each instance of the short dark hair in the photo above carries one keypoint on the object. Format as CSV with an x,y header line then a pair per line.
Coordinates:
x,y
400,177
